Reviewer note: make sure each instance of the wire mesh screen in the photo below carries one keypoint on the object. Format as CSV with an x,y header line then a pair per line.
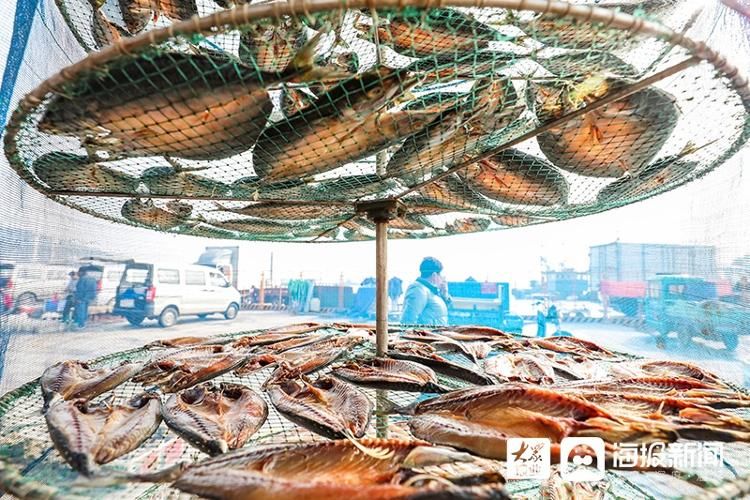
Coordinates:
x,y
476,119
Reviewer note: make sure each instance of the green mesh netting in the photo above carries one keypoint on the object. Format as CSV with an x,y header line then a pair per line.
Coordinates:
x,y
274,129
34,468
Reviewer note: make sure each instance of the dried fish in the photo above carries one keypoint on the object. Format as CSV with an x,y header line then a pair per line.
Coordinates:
x,y
581,65
467,225
182,368
397,375
450,66
512,176
77,380
87,435
327,406
649,180
215,419
572,34
669,386
620,137
183,105
256,226
295,343
301,361
520,368
67,171
271,45
179,181
138,13
351,123
419,33
323,470
480,420
459,131
425,354
557,488
679,369
289,210
442,342
148,214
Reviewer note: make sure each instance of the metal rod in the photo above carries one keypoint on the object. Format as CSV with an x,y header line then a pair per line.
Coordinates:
x,y
614,96
381,286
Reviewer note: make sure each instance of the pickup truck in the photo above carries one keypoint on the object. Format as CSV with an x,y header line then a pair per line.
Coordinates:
x,y
689,307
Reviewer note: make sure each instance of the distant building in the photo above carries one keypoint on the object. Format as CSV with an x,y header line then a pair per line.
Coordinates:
x,y
639,262
566,282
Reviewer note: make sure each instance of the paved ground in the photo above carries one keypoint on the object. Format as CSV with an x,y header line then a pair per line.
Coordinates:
x,y
28,354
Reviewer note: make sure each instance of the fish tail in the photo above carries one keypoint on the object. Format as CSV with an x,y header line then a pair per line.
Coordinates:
x,y
376,453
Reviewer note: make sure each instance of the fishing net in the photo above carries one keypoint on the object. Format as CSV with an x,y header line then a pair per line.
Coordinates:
x,y
32,467
281,121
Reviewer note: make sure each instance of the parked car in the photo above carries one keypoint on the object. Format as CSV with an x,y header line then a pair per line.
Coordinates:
x,y
166,292
26,283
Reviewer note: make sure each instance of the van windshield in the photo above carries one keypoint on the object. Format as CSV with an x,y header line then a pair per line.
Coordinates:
x,y
135,276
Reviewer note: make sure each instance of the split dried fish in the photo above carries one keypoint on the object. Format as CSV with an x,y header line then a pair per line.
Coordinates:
x,y
520,368
458,132
148,214
351,123
87,435
426,355
183,105
418,33
397,375
67,171
573,345
326,406
480,420
512,176
324,470
77,380
181,181
620,137
271,45
179,369
215,419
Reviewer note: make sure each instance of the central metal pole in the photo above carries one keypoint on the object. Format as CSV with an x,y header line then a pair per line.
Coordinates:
x,y
381,290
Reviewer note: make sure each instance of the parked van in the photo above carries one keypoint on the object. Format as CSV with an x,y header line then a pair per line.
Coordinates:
x,y
26,283
166,292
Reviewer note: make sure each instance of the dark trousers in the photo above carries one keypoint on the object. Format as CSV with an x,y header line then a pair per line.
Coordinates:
x,y
82,312
69,300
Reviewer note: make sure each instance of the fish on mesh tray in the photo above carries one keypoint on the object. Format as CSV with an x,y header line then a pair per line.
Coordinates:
x,y
87,435
148,214
215,419
327,406
77,380
329,469
392,374
184,105
427,355
289,210
68,171
349,124
418,33
181,181
179,369
620,137
512,176
521,368
457,133
581,65
480,420
573,345
271,44
138,13
446,67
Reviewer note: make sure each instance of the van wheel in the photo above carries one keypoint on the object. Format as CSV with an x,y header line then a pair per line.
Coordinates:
x,y
168,317
231,311
135,319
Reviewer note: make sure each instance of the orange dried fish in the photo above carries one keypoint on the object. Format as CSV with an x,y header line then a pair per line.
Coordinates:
x,y
77,380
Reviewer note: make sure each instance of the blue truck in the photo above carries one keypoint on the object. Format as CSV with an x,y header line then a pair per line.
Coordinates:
x,y
482,303
689,306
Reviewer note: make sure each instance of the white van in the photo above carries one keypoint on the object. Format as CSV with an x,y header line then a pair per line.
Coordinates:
x,y
30,282
166,292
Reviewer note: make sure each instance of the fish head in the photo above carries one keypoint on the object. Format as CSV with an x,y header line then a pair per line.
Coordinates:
x,y
195,395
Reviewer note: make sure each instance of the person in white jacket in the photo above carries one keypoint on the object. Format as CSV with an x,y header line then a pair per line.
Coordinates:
x,y
426,300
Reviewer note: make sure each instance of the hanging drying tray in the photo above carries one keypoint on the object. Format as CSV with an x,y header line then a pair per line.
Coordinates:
x,y
274,121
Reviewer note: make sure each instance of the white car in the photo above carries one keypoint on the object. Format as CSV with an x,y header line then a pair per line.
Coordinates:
x,y
166,292
28,283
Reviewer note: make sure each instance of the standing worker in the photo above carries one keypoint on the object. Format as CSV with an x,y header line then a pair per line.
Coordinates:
x,y
541,320
85,294
70,295
426,301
